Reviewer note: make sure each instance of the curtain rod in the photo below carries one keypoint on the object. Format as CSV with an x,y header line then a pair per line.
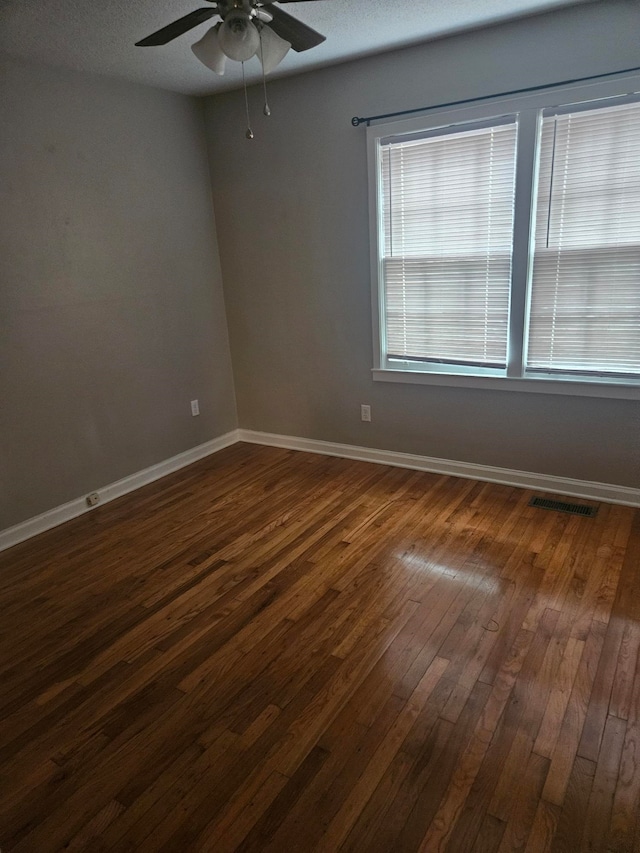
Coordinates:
x,y
356,120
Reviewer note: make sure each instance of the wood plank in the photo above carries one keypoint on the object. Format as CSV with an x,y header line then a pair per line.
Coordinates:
x,y
272,650
525,804
490,836
626,804
573,809
596,824
544,827
566,749
559,698
341,825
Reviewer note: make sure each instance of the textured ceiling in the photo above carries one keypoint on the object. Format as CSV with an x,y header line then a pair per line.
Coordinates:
x,y
99,36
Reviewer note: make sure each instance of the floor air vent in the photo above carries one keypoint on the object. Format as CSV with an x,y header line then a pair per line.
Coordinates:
x,y
564,506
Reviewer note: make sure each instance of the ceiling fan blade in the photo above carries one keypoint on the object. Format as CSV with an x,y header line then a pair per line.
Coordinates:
x,y
299,35
177,28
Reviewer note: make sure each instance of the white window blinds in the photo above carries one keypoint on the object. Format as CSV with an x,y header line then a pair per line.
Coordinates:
x,y
585,289
447,219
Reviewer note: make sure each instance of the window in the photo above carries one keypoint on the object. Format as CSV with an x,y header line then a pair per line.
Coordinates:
x,y
447,209
585,289
507,249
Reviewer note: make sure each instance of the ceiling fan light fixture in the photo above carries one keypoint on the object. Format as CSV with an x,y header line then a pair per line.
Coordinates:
x,y
209,52
273,49
238,37
263,15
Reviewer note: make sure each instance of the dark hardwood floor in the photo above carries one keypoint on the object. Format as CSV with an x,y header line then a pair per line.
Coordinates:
x,y
277,651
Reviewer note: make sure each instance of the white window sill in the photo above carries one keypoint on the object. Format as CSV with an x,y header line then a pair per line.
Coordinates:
x,y
537,385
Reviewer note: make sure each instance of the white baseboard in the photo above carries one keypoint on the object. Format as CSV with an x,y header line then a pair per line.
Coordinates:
x,y
26,529
508,477
523,479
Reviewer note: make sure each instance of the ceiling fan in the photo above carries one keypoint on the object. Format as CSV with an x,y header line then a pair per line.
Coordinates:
x,y
246,28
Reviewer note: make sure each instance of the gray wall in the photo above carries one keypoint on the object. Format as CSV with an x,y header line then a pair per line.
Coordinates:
x,y
111,310
292,220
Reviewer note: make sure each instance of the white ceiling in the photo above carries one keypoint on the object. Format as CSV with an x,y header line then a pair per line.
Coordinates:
x,y
99,36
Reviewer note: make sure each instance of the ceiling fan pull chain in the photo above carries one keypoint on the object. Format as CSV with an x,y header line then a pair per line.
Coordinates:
x,y
249,133
266,109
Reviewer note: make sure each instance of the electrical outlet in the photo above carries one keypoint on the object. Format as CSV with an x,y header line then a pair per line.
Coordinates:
x,y
365,413
93,499
195,408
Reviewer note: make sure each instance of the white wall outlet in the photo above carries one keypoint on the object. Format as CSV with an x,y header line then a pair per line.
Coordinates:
x,y
195,408
365,413
93,499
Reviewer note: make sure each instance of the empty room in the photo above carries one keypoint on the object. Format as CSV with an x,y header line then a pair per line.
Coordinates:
x,y
320,426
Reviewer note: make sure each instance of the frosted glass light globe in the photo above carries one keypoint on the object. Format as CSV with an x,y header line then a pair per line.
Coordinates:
x,y
209,52
238,37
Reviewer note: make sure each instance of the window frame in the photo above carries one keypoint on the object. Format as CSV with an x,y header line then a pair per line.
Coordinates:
x,y
528,112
